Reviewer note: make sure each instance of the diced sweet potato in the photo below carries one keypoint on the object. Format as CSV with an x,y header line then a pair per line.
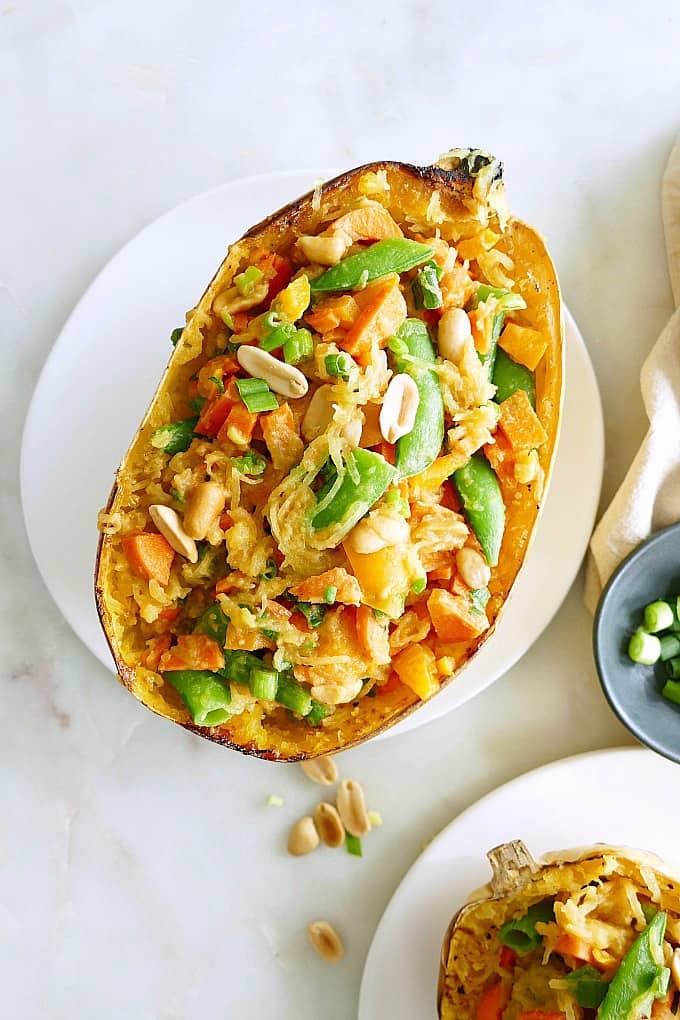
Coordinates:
x,y
471,247
369,222
281,435
527,346
192,651
417,668
520,423
383,309
333,312
454,617
384,576
314,589
150,556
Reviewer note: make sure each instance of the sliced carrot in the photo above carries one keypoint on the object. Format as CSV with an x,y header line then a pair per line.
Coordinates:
x,y
240,320
238,426
520,423
155,647
417,667
170,614
313,589
444,573
383,309
368,222
150,556
192,651
572,945
216,368
493,1002
449,497
453,616
523,344
393,683
373,637
281,435
508,958
386,450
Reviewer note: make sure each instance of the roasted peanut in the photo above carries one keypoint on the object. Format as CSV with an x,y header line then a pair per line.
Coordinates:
x,y
231,300
204,504
454,332
352,808
325,940
329,824
399,408
377,531
303,837
473,568
326,251
322,770
170,526
282,378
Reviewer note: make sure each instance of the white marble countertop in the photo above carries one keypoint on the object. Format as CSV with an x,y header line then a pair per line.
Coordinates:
x,y
141,874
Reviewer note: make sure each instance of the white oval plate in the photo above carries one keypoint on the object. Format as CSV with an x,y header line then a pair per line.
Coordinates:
x,y
106,363
553,808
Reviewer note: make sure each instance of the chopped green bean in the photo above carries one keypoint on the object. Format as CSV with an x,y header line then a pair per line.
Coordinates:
x,y
670,646
204,693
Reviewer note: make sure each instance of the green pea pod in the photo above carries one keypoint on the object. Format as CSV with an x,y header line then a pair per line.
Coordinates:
x,y
509,376
489,359
204,693
520,933
641,977
356,495
395,255
483,505
421,446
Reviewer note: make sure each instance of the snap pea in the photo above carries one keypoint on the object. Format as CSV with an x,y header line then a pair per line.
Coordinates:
x,y
508,376
421,446
426,290
354,498
641,977
394,255
483,505
520,933
175,437
204,693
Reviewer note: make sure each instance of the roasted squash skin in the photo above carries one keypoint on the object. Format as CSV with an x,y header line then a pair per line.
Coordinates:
x,y
469,964
460,190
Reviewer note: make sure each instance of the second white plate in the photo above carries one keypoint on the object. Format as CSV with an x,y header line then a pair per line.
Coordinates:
x,y
105,365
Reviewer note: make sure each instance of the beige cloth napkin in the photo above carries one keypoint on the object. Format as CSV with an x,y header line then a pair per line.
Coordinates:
x,y
649,497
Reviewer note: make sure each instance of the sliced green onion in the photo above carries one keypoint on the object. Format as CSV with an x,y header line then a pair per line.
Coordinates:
x,y
176,335
270,571
247,280
670,647
251,385
396,501
214,623
273,800
419,585
313,613
218,382
644,648
657,616
330,593
263,683
175,437
250,463
673,668
671,691
426,290
353,845
256,395
277,336
204,693
227,319
520,933
317,713
338,364
293,695
588,985
299,348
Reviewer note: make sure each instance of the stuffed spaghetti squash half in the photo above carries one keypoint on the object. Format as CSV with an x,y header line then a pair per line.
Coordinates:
x,y
336,484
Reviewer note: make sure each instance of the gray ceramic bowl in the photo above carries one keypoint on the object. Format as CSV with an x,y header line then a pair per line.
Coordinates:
x,y
651,571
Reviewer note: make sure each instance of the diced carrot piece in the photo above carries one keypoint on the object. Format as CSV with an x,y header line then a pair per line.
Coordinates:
x,y
481,322
239,426
323,320
386,450
527,346
500,456
216,368
383,309
313,589
169,614
417,667
493,1002
215,412
368,222
438,472
444,573
281,435
373,637
471,247
520,423
277,270
449,497
393,683
508,958
149,555
453,616
240,320
155,647
192,651
572,945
